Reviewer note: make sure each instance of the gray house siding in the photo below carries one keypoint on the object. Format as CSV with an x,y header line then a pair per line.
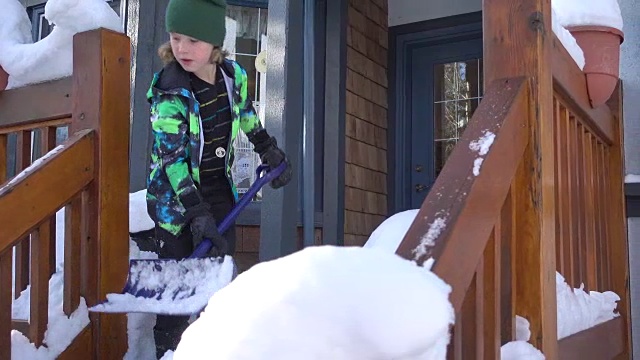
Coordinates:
x,y
630,75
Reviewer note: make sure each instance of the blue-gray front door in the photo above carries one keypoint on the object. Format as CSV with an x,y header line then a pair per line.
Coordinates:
x,y
436,86
445,90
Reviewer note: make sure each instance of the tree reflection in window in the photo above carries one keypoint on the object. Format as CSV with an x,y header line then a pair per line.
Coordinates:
x,y
457,92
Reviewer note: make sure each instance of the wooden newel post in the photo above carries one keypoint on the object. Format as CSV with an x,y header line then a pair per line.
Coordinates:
x,y
101,102
517,42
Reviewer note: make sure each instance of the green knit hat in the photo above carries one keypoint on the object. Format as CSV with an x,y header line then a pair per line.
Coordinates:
x,y
201,19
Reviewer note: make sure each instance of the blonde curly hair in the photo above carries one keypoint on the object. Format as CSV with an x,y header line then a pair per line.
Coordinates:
x,y
166,54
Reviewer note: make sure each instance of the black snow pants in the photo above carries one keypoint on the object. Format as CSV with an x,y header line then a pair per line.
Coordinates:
x,y
168,330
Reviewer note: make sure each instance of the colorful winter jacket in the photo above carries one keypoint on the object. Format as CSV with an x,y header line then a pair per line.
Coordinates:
x,y
174,176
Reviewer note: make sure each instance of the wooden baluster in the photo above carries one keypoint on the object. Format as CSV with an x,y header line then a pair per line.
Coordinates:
x,y
454,351
560,265
566,222
605,213
507,242
480,304
590,218
40,273
469,322
599,216
72,243
3,157
558,190
5,303
574,194
580,209
491,315
48,143
23,160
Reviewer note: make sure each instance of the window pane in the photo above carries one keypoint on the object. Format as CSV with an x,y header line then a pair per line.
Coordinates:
x,y
457,80
248,62
246,38
450,121
457,93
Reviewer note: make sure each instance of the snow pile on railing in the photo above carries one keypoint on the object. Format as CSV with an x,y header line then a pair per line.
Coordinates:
x,y
51,58
565,37
588,12
573,13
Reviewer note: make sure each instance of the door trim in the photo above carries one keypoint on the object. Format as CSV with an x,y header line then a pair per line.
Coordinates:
x,y
402,39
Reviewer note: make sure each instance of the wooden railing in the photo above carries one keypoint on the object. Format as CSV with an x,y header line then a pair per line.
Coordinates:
x,y
547,197
87,175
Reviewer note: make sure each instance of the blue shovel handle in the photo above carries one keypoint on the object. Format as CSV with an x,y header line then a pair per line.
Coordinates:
x,y
261,180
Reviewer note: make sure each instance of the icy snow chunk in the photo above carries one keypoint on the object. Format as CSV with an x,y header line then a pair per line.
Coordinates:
x,y
632,178
325,302
177,287
481,146
61,330
567,40
139,219
142,345
520,350
588,12
579,310
388,235
428,240
523,329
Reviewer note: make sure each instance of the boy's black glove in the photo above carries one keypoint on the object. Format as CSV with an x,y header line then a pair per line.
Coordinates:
x,y
267,147
203,225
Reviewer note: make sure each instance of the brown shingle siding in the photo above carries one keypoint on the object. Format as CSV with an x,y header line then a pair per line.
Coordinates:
x,y
364,87
366,110
364,66
366,119
366,179
368,27
360,43
366,132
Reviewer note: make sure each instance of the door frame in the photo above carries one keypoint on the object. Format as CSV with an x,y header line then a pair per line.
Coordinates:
x,y
402,40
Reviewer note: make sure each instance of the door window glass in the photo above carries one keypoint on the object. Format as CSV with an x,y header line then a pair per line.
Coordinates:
x,y
457,92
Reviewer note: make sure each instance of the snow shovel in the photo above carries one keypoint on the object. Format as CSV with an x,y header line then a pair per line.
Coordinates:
x,y
182,287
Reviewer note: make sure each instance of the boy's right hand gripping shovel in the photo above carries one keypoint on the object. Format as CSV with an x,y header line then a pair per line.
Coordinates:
x,y
182,287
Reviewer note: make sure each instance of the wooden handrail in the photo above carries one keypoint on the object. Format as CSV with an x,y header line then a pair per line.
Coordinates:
x,y
603,341
548,198
70,171
469,204
18,111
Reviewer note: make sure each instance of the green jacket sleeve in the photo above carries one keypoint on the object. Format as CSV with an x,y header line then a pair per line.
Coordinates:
x,y
249,120
170,131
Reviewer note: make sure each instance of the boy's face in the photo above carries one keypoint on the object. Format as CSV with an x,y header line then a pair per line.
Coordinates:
x,y
191,53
